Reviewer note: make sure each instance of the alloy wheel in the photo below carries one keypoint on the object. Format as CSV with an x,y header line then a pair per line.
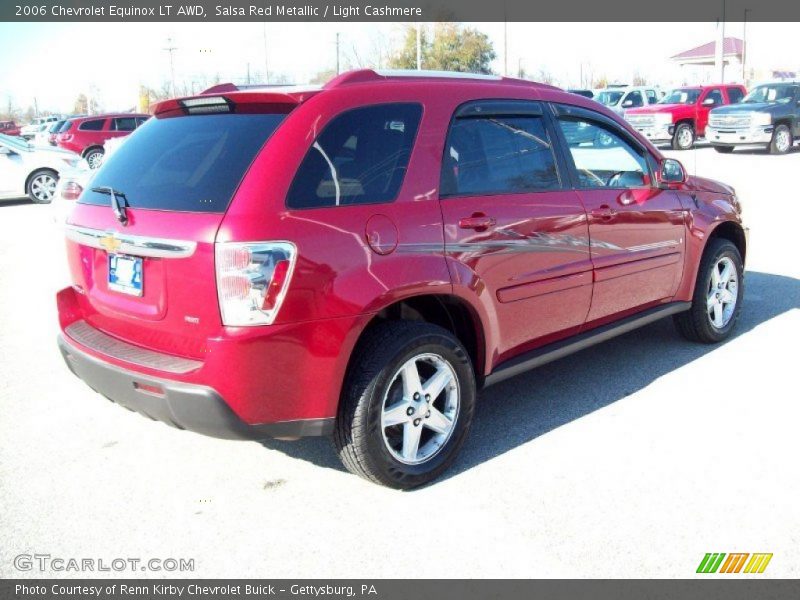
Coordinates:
x,y
782,140
685,137
723,292
43,187
420,409
94,160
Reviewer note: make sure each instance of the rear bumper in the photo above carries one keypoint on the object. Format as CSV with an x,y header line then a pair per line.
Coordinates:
x,y
187,406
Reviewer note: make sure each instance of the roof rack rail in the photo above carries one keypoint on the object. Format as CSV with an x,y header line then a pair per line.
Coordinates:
x,y
367,75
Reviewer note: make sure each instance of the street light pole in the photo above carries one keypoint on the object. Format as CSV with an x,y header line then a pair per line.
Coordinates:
x,y
171,49
337,53
744,46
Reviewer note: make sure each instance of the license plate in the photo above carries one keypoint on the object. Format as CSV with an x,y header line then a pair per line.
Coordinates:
x,y
125,274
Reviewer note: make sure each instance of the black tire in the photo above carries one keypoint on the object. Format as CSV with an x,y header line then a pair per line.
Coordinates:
x,y
34,192
774,146
94,157
679,130
358,436
695,324
724,149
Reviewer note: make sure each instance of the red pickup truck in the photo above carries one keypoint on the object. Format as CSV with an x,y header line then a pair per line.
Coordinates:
x,y
681,116
9,128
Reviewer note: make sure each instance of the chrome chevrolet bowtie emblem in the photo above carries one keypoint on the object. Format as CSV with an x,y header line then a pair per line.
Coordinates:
x,y
110,243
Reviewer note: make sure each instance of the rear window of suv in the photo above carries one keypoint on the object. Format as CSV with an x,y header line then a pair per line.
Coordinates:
x,y
359,158
188,163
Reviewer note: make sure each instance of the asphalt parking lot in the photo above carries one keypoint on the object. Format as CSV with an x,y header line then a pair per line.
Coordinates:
x,y
630,459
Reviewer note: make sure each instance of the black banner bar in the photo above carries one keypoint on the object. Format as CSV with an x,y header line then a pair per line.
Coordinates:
x,y
399,10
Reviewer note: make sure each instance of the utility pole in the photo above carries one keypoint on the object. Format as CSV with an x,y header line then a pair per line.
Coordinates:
x,y
35,107
337,53
722,52
419,47
266,61
248,73
505,48
744,47
171,49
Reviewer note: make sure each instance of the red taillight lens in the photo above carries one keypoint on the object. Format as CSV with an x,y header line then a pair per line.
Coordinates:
x,y
71,191
279,275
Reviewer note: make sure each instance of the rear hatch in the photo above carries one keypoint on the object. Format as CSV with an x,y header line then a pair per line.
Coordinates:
x,y
140,241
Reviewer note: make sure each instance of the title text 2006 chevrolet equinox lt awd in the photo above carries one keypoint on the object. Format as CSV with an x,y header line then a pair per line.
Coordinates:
x,y
358,261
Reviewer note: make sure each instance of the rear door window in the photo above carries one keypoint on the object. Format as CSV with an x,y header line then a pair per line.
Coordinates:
x,y
123,124
360,157
498,155
188,163
93,125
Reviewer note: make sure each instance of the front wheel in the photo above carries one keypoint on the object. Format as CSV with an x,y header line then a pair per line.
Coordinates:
x,y
407,404
781,140
42,186
718,292
683,138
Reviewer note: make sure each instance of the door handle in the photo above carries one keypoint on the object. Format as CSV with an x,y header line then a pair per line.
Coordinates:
x,y
478,222
603,212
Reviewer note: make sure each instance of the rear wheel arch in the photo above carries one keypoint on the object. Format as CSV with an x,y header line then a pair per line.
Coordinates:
x,y
447,311
91,148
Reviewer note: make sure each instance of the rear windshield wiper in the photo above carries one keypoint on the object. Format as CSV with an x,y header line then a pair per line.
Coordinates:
x,y
120,210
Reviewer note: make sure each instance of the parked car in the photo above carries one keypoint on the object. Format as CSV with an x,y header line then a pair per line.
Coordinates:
x,y
584,93
622,97
29,170
291,263
769,116
681,116
42,135
53,130
86,135
71,183
9,128
30,130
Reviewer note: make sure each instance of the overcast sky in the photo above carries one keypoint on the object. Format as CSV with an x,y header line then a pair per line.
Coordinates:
x,y
55,62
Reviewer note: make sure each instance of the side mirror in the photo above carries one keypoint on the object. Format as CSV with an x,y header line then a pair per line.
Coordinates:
x,y
627,104
670,174
4,150
708,102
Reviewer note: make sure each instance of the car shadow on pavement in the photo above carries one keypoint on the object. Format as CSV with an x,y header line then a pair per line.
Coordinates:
x,y
532,404
15,202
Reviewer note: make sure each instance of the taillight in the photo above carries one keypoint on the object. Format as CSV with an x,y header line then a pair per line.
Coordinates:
x,y
252,279
71,190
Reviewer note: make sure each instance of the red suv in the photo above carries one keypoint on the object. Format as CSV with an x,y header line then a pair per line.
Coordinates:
x,y
359,261
681,116
86,135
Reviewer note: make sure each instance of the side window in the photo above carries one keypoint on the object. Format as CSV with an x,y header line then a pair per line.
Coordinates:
x,y
360,157
602,157
651,96
123,124
633,100
95,125
735,95
498,155
715,95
